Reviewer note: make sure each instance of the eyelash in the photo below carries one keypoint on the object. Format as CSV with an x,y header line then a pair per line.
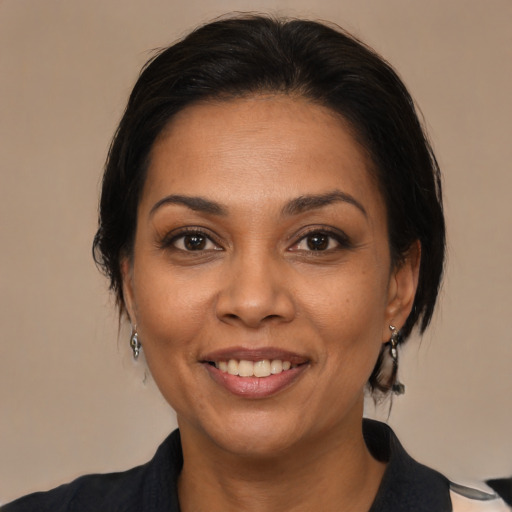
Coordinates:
x,y
340,238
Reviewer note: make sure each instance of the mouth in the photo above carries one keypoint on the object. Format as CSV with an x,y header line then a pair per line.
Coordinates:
x,y
255,373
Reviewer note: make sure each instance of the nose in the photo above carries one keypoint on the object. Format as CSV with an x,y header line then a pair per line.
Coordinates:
x,y
255,292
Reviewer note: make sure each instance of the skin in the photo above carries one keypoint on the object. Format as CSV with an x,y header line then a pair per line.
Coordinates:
x,y
255,282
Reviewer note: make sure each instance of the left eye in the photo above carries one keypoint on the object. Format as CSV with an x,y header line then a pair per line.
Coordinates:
x,y
194,242
317,241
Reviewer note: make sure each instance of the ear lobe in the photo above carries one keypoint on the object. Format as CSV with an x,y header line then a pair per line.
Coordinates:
x,y
402,289
128,297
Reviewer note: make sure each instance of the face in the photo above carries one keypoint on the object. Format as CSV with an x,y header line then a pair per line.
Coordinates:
x,y
260,281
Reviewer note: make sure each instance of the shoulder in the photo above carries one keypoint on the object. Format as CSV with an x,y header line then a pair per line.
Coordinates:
x,y
408,485
90,492
149,487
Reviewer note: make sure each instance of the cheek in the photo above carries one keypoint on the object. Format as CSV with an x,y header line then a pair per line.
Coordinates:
x,y
170,309
350,305
349,315
171,316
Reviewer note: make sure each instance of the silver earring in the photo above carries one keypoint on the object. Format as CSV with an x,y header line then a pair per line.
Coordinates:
x,y
397,387
135,344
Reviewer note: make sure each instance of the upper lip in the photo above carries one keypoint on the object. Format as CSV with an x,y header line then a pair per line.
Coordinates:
x,y
254,354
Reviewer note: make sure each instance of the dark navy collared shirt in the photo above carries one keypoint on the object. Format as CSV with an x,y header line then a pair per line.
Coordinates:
x,y
407,485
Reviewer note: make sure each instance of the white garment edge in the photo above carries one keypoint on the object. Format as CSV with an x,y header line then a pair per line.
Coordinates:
x,y
469,499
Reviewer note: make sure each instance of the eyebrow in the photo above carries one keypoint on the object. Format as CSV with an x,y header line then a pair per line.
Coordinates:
x,y
198,204
294,207
312,202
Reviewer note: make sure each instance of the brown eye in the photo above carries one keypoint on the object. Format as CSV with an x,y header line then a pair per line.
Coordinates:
x,y
322,241
195,242
318,242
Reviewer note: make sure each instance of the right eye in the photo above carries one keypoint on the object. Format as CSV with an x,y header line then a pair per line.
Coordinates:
x,y
193,241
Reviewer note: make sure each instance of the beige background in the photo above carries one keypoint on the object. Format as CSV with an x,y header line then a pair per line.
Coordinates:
x,y
71,400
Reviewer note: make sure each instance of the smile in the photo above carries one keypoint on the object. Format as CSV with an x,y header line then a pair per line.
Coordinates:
x,y
255,373
245,368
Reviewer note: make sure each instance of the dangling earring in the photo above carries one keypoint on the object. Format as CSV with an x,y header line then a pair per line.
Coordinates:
x,y
397,387
135,344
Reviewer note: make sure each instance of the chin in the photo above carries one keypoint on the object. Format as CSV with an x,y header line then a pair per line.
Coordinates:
x,y
259,442
258,435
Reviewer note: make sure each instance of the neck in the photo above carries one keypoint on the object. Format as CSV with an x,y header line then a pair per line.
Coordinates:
x,y
334,472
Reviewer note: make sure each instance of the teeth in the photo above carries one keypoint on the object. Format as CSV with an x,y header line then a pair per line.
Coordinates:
x,y
263,368
233,367
276,366
245,368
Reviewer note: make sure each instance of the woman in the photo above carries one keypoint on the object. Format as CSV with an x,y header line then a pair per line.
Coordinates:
x,y
271,224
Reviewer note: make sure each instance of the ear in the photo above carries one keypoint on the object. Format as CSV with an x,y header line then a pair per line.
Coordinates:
x,y
128,295
402,290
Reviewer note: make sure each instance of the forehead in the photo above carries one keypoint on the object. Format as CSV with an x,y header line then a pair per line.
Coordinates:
x,y
259,144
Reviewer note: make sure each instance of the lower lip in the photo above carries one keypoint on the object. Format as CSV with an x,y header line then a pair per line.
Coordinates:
x,y
255,387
